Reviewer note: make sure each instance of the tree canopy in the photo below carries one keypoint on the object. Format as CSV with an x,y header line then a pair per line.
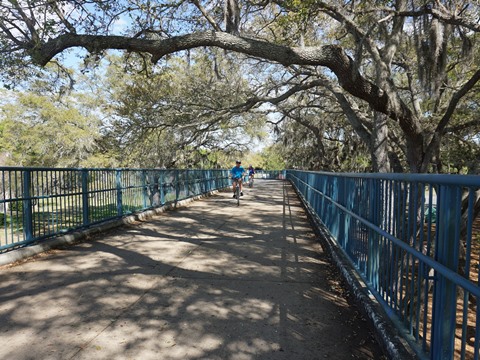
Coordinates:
x,y
404,74
179,112
36,130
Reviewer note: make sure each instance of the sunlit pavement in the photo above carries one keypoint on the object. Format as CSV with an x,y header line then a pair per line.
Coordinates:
x,y
211,280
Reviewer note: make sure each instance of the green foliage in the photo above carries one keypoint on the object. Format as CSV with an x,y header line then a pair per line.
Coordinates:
x,y
272,159
179,114
167,115
37,131
16,206
461,155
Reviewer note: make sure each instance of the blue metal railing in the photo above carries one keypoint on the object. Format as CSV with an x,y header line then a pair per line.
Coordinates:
x,y
415,240
270,174
37,203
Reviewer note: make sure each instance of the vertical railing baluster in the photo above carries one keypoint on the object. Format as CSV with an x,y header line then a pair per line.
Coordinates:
x,y
445,294
145,189
27,206
373,255
85,197
177,185
119,192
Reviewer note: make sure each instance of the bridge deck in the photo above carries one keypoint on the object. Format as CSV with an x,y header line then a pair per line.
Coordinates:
x,y
207,281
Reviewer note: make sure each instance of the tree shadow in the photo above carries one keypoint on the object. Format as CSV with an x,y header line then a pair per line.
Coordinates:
x,y
202,282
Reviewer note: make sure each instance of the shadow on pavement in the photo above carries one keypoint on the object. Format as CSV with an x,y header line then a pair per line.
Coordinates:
x,y
207,281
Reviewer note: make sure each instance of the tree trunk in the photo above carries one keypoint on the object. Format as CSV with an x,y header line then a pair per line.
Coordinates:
x,y
380,160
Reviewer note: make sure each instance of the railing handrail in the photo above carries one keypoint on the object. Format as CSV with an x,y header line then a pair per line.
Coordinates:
x,y
403,243
438,179
80,197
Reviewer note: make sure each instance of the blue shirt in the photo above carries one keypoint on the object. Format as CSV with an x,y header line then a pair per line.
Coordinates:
x,y
237,172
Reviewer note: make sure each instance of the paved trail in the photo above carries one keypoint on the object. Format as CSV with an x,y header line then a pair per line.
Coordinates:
x,y
207,281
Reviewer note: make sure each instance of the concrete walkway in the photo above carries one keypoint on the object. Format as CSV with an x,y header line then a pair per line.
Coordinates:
x,y
207,281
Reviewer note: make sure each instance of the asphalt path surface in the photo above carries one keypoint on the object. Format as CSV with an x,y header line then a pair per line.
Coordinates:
x,y
209,280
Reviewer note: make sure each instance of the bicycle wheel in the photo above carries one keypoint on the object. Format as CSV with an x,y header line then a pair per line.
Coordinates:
x,y
237,193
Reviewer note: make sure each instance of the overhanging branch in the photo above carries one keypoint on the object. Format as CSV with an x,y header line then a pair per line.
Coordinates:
x,y
330,56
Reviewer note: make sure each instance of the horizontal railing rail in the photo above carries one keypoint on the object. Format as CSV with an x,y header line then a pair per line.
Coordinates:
x,y
38,203
270,174
415,241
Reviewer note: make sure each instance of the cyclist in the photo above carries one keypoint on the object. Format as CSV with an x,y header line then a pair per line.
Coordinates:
x,y
251,173
237,174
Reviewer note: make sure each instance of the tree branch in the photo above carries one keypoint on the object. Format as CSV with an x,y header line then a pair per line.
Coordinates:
x,y
440,130
206,15
330,56
462,127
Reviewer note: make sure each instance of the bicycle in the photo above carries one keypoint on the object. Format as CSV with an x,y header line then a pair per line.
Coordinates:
x,y
250,181
237,190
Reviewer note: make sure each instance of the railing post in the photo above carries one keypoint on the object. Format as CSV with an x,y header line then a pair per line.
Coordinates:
x,y
161,186
145,190
204,182
206,178
27,206
445,296
346,219
177,185
342,216
119,193
85,203
373,255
